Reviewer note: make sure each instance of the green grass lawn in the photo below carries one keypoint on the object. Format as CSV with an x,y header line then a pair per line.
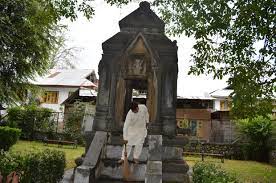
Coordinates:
x,y
246,171
70,153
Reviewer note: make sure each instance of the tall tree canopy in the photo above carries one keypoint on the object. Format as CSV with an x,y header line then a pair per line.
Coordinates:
x,y
29,34
234,38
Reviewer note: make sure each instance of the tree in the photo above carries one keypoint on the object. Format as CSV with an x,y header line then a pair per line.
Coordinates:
x,y
234,38
258,132
64,57
29,34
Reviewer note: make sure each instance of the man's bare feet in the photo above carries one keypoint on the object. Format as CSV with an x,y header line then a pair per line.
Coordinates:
x,y
136,161
120,161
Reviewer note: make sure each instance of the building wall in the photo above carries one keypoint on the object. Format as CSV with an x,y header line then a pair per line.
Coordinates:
x,y
217,105
63,94
199,117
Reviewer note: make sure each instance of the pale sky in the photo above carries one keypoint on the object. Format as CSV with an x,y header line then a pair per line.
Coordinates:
x,y
89,36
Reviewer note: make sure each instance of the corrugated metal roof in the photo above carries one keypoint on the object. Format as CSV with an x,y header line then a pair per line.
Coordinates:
x,y
224,93
196,97
87,92
70,77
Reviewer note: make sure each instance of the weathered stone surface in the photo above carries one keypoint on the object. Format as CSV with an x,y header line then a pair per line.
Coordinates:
x,y
139,52
82,174
154,172
138,171
155,147
175,167
178,141
95,148
115,152
116,181
88,139
68,176
118,140
176,177
172,153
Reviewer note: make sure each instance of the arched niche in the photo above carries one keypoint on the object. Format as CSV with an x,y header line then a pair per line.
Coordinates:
x,y
137,71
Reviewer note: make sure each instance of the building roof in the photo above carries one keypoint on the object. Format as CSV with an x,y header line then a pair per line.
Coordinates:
x,y
221,93
68,78
142,18
83,94
196,97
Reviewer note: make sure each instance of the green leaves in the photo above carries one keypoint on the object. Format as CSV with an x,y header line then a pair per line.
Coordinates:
x,y
29,34
211,173
45,166
227,33
258,132
8,137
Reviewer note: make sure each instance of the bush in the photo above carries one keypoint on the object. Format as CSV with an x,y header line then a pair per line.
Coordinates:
x,y
47,166
8,137
73,121
258,132
30,119
210,173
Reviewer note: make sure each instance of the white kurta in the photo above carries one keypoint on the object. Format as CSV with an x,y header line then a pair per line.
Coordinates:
x,y
135,130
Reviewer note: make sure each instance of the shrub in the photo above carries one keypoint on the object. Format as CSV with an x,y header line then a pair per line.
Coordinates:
x,y
210,173
73,122
8,137
258,131
47,166
30,119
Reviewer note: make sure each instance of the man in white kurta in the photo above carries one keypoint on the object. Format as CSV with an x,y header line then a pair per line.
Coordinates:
x,y
135,129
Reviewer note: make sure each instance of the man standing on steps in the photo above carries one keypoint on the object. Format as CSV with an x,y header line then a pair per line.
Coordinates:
x,y
135,130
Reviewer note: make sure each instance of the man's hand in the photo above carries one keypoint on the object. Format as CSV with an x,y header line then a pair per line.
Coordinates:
x,y
125,141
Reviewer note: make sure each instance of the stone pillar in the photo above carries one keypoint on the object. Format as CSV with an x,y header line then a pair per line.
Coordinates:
x,y
155,126
102,107
154,164
168,107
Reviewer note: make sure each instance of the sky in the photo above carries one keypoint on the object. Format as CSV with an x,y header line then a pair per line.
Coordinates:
x,y
88,36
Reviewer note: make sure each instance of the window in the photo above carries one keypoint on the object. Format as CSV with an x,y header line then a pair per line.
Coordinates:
x,y
224,105
50,97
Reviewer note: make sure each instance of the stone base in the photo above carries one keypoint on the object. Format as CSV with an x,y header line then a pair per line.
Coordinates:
x,y
83,174
113,171
115,152
161,161
175,177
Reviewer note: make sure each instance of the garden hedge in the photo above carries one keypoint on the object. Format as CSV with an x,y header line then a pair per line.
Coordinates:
x,y
210,173
40,167
30,119
8,137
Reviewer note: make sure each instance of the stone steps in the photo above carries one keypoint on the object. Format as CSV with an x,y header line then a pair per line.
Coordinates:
x,y
115,152
110,169
116,181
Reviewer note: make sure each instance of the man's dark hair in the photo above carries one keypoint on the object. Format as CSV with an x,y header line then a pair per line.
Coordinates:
x,y
133,105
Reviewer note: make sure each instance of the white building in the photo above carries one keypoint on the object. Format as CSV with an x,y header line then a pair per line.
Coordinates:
x,y
222,99
60,84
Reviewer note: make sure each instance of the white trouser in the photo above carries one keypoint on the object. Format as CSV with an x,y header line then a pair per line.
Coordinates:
x,y
137,151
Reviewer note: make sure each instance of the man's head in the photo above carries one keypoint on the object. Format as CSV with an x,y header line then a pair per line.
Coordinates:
x,y
134,107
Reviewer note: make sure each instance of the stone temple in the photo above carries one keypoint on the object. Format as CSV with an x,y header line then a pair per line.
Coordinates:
x,y
139,57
